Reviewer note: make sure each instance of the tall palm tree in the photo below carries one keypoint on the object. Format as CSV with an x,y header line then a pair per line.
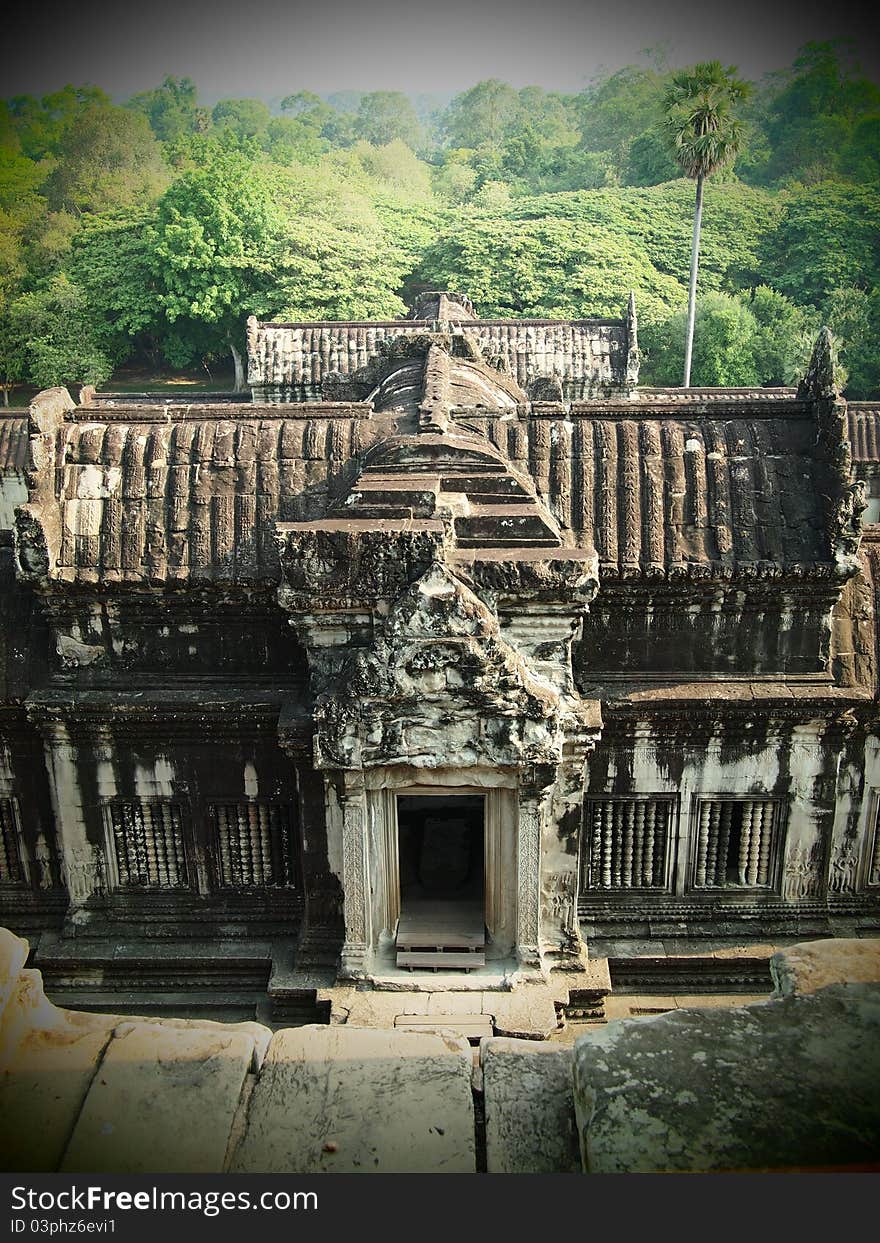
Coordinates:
x,y
704,136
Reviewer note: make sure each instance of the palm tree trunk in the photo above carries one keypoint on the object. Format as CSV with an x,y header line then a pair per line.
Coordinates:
x,y
692,290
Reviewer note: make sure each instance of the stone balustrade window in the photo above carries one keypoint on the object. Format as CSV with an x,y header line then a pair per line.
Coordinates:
x,y
627,843
253,845
735,843
148,842
11,870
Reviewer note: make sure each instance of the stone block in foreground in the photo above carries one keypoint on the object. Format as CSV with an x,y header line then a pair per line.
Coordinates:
x,y
43,1088
530,1123
343,1099
162,1101
812,965
791,1083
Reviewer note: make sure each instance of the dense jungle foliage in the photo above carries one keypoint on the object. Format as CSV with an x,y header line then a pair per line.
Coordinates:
x,y
143,234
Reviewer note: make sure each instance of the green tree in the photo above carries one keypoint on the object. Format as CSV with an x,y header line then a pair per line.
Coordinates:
x,y
172,109
327,122
704,137
395,163
827,238
387,116
485,115
854,317
618,108
54,337
785,336
544,267
41,124
246,118
724,347
215,246
112,263
287,140
812,120
107,158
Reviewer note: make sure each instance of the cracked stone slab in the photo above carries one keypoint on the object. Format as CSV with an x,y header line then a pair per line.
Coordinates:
x,y
371,1008
528,1012
162,1101
593,976
812,965
530,1119
44,1086
784,1084
344,1099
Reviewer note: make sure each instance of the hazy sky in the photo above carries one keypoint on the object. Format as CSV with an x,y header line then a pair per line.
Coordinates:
x,y
272,47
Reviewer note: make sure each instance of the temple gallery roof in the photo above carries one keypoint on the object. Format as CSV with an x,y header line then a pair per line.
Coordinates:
x,y
430,424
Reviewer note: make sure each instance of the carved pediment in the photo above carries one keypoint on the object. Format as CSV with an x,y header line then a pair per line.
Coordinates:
x,y
438,681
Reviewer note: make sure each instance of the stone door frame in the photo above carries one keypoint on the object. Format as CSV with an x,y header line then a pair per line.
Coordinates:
x,y
362,833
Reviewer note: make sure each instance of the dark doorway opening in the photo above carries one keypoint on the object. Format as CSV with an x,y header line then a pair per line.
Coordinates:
x,y
441,848
442,877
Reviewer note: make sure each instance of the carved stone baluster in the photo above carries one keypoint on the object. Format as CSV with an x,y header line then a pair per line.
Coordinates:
x,y
254,872
757,836
638,843
723,812
745,843
704,831
136,834
626,854
168,845
651,810
236,861
617,810
607,828
596,840
119,845
766,836
266,872
157,859
223,831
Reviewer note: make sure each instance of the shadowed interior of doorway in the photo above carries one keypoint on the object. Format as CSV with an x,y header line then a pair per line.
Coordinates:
x,y
442,882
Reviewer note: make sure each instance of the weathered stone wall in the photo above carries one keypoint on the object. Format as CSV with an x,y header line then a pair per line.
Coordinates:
x,y
215,765
706,628
231,638
821,773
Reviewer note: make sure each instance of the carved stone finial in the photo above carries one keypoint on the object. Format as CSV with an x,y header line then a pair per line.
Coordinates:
x,y
443,306
818,384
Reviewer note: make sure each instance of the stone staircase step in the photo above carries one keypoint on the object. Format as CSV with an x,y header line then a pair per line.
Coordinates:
x,y
442,960
479,485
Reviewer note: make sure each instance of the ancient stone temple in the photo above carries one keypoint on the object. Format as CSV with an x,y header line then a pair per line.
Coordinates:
x,y
449,653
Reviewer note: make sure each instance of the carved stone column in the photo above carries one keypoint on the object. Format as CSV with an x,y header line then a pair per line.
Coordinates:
x,y
80,859
352,804
534,795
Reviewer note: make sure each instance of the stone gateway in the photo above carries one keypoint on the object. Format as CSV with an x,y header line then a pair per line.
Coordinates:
x,y
446,653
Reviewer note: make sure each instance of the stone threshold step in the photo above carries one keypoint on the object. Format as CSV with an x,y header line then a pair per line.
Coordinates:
x,y
441,960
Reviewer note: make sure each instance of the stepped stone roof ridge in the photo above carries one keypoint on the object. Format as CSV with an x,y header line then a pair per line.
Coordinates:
x,y
657,484
291,361
197,499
